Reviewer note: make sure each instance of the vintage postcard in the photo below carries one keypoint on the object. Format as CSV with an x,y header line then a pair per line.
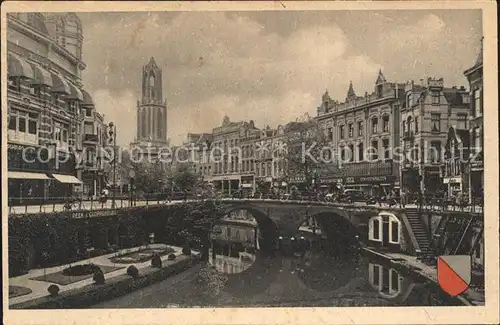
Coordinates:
x,y
250,162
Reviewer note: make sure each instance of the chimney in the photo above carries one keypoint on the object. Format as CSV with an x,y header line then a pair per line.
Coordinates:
x,y
397,90
422,83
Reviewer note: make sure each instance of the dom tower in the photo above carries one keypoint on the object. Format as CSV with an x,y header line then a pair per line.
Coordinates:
x,y
151,111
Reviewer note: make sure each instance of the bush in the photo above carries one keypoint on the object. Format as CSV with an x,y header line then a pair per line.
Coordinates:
x,y
133,271
53,290
171,257
156,261
99,277
82,269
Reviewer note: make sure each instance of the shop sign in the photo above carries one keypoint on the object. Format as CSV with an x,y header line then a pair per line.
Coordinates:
x,y
375,179
92,214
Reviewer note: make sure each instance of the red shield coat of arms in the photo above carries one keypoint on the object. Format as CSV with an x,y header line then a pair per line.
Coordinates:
x,y
454,273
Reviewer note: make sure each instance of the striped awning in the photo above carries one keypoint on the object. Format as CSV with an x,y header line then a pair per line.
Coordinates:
x,y
60,85
41,76
18,67
75,92
26,175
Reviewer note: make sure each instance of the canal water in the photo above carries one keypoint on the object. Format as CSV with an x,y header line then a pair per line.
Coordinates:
x,y
241,276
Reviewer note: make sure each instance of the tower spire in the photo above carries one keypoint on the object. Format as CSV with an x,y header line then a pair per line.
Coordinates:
x,y
350,92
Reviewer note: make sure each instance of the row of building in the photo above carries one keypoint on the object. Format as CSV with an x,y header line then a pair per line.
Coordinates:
x,y
54,132
422,136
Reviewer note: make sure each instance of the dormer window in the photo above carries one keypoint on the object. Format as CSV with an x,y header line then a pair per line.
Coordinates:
x,y
379,91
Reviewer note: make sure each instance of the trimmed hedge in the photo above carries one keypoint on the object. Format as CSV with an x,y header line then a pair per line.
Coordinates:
x,y
82,269
113,288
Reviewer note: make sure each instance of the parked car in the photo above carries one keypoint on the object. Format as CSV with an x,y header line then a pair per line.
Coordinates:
x,y
351,195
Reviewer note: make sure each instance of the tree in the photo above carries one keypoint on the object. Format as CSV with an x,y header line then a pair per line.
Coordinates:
x,y
185,180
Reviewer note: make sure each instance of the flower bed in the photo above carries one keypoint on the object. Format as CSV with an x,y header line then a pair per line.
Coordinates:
x,y
62,278
140,256
82,269
17,291
113,288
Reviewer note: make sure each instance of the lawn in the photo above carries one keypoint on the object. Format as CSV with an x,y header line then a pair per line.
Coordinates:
x,y
17,291
140,256
61,279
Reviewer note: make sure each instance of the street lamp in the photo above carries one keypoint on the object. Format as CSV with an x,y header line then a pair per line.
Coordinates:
x,y
112,140
131,175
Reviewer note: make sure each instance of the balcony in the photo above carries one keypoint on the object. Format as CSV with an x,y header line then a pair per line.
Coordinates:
x,y
90,139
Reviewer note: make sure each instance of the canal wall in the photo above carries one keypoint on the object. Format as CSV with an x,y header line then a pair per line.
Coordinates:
x,y
113,288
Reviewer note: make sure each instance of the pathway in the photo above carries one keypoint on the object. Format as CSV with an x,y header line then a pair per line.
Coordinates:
x,y
39,288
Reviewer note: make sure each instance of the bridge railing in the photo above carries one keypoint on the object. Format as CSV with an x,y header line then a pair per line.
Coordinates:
x,y
71,203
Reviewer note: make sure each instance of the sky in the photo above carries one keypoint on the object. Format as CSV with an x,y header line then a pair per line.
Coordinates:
x,y
270,67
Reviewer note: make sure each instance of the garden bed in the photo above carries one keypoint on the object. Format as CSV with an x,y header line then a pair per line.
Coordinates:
x,y
17,291
62,279
140,256
113,288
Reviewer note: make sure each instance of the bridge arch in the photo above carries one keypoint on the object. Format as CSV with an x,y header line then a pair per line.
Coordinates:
x,y
267,227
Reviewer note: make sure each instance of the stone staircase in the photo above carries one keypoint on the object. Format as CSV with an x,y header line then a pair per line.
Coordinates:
x,y
418,230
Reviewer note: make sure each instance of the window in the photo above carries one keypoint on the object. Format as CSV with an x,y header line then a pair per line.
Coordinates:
x,y
341,131
360,152
435,98
342,153
360,128
435,122
351,130
379,91
23,126
60,134
387,151
376,275
478,107
374,150
376,229
351,152
374,125
394,232
394,281
385,123
330,134
409,122
462,121
404,126
416,124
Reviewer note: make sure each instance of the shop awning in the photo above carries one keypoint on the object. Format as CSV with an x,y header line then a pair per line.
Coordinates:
x,y
60,85
41,76
75,92
67,179
18,67
27,175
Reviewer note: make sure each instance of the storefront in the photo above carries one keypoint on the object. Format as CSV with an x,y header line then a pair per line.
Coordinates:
x,y
34,178
371,185
432,179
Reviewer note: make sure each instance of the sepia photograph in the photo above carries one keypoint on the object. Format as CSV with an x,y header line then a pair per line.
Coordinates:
x,y
188,158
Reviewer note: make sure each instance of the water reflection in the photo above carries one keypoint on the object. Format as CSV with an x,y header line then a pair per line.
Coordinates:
x,y
240,275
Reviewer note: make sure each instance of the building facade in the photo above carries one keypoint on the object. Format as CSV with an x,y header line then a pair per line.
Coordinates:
x,y
151,113
474,76
429,110
226,154
92,162
362,132
44,103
